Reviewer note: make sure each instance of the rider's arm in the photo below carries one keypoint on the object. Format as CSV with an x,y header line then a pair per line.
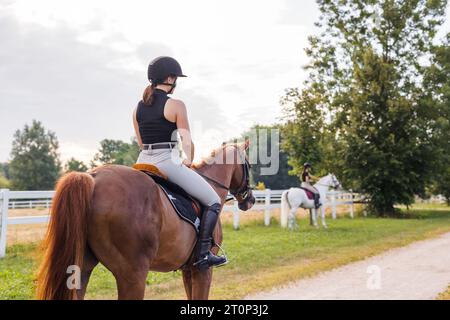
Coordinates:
x,y
136,129
184,130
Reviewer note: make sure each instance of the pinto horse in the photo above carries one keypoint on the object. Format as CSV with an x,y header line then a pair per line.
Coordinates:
x,y
119,217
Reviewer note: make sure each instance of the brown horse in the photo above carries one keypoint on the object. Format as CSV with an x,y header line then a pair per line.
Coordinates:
x,y
119,217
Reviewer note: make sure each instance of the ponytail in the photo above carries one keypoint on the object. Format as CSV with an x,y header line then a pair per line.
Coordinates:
x,y
147,96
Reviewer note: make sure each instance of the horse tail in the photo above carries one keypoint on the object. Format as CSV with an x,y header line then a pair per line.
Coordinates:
x,y
285,208
66,237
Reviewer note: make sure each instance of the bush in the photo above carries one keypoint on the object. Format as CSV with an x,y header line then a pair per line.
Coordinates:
x,y
4,183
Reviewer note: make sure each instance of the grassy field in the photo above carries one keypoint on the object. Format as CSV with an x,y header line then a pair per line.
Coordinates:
x,y
260,256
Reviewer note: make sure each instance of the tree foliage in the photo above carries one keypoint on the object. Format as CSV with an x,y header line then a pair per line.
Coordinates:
x,y
437,84
4,170
282,179
75,165
4,183
116,152
303,133
35,163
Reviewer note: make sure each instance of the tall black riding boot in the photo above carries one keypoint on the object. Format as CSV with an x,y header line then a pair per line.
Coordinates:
x,y
317,200
205,258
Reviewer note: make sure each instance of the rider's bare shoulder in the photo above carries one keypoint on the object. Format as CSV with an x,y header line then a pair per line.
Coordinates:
x,y
174,108
175,103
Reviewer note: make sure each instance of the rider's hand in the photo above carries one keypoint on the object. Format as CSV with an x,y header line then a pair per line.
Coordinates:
x,y
187,163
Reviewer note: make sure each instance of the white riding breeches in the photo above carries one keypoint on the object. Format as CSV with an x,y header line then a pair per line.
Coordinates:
x,y
170,163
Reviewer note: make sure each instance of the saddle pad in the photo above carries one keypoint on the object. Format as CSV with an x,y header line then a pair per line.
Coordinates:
x,y
145,167
309,194
184,205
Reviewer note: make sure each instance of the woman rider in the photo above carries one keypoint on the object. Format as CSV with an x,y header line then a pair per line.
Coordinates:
x,y
307,178
157,119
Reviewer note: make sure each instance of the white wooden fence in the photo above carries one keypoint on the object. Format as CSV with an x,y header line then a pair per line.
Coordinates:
x,y
5,197
265,200
271,199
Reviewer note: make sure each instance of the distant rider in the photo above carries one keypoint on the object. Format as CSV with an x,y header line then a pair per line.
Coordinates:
x,y
307,179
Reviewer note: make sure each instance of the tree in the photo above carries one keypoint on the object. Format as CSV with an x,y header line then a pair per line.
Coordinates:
x,y
366,77
75,165
303,134
4,170
437,100
117,152
4,183
282,179
35,163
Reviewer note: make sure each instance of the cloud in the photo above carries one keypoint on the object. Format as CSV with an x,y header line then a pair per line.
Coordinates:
x,y
296,12
82,91
147,51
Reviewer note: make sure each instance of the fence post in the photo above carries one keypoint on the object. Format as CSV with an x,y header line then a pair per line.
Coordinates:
x,y
267,205
4,201
351,204
333,205
235,215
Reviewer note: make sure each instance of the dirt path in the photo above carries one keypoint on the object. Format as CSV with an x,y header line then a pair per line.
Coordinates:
x,y
418,271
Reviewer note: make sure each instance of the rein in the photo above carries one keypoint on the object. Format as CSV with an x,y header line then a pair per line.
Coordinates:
x,y
244,185
214,181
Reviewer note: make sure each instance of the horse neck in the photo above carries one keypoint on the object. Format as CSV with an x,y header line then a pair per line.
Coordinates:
x,y
221,173
322,184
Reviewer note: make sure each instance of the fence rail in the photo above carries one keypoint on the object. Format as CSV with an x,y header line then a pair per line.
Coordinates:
x,y
265,201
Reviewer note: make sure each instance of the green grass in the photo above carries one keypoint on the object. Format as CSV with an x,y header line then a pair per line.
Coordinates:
x,y
260,256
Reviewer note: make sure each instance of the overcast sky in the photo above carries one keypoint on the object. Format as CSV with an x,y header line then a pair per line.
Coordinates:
x,y
80,66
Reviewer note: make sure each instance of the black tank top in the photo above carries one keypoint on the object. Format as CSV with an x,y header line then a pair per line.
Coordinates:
x,y
304,175
153,126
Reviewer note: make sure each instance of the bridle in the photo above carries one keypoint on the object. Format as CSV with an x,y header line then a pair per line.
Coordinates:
x,y
244,189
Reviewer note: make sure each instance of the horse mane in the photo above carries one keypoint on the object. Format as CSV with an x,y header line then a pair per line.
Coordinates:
x,y
214,153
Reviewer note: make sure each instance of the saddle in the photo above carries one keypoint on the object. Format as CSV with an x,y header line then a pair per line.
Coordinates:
x,y
309,194
187,208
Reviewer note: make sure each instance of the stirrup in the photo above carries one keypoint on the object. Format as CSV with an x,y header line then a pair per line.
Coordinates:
x,y
205,258
224,254
203,264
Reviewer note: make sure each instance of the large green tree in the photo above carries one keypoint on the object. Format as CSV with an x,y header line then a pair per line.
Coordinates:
x,y
437,100
303,133
35,163
116,152
366,78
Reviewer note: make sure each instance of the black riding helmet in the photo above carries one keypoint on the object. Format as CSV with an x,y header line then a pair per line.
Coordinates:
x,y
307,165
162,67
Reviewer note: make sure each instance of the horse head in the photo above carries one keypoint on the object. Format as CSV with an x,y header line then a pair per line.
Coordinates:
x,y
230,161
335,184
240,182
330,181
